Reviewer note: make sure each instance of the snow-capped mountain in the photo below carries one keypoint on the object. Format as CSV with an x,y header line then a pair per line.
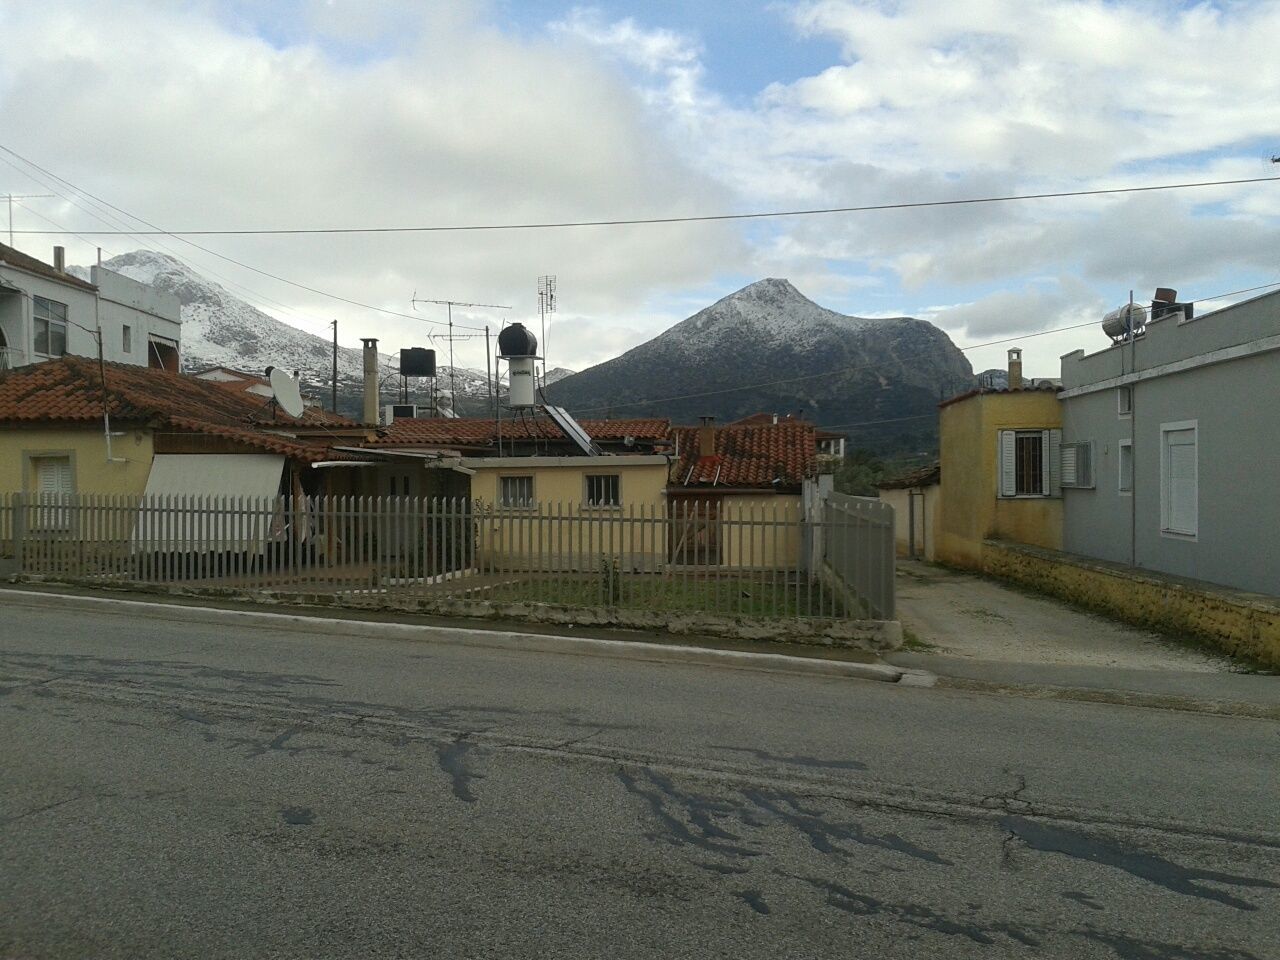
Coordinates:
x,y
220,329
768,348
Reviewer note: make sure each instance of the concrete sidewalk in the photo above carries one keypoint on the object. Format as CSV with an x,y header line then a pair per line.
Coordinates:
x,y
979,634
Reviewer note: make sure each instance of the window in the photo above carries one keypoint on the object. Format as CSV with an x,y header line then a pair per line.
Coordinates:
x,y
603,490
51,326
1125,483
1179,479
1029,462
1077,465
53,484
1124,401
515,491
126,339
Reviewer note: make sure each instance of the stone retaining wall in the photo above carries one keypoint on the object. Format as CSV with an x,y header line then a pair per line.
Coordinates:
x,y
1238,623
872,635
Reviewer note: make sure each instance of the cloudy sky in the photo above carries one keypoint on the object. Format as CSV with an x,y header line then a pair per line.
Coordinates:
x,y
305,113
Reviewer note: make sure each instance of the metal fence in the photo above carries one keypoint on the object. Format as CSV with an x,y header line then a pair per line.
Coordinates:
x,y
690,556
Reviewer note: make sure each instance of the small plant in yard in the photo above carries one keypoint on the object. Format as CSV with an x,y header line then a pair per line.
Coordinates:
x,y
610,582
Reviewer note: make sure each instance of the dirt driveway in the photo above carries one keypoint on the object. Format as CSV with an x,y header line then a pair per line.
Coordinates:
x,y
963,615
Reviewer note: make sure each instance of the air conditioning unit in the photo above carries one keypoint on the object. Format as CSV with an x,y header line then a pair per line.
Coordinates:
x,y
398,411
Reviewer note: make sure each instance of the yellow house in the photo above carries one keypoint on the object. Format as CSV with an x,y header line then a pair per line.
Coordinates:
x,y
1000,468
567,513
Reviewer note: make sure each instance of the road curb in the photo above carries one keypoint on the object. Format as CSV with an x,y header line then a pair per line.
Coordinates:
x,y
473,637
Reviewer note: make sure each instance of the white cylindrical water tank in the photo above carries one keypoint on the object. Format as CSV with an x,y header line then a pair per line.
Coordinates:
x,y
1122,320
522,383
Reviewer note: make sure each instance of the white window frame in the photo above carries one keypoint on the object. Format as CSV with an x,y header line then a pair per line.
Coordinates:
x,y
1124,402
50,324
1076,483
617,482
502,494
1050,463
126,338
1166,527
1121,447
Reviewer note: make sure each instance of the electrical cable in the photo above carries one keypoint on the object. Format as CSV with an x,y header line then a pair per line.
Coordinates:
x,y
157,231
704,218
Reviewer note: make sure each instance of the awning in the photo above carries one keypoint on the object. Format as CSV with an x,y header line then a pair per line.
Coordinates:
x,y
228,501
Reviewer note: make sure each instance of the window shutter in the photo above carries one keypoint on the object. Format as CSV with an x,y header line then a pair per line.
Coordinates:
x,y
1070,465
1008,469
1084,469
1052,461
1181,493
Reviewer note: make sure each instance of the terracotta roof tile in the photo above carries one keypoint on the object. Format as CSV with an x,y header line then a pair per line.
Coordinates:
x,y
69,390
754,455
483,432
925,476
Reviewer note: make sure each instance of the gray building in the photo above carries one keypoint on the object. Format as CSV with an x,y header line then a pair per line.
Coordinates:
x,y
1171,445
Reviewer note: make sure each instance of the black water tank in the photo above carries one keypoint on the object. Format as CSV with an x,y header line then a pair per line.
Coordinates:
x,y
517,341
417,362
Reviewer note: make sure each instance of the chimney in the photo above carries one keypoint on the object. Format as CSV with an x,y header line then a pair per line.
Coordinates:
x,y
60,259
370,379
707,437
1015,368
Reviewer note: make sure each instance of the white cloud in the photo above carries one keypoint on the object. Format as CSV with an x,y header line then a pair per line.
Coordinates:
x,y
172,113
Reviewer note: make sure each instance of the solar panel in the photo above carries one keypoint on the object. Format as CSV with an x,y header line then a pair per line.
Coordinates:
x,y
573,430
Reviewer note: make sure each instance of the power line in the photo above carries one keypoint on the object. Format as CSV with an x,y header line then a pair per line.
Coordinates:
x,y
158,232
705,218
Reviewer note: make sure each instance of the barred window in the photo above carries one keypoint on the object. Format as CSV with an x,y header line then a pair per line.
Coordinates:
x,y
515,491
603,490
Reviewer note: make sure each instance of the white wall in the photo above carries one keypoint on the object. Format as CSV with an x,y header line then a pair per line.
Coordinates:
x,y
119,301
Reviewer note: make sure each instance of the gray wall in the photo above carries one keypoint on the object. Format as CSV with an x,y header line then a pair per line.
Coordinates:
x,y
1237,405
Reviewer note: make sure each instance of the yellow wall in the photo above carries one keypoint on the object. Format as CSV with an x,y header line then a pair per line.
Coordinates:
x,y
971,510
87,449
761,532
560,533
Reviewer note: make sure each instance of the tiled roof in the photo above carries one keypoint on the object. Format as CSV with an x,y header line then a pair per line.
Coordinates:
x,y
925,476
70,390
484,432
747,456
22,261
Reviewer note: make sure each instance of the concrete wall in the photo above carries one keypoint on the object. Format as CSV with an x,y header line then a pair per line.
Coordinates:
x,y
927,505
970,508
1238,623
146,310
1233,402
87,449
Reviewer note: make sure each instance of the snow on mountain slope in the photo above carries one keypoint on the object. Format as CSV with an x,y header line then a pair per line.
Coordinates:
x,y
220,329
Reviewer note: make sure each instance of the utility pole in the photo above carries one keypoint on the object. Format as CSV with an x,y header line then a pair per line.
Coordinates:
x,y
333,403
21,196
449,305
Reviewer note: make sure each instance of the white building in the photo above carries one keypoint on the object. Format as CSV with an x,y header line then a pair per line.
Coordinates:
x,y
46,312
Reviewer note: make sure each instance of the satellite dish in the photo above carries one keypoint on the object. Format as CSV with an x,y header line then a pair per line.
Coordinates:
x,y
285,392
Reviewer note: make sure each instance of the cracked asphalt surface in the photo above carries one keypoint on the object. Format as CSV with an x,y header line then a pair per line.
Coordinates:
x,y
176,789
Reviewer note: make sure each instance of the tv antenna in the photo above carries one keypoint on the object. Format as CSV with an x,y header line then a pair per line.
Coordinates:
x,y
546,304
449,305
20,197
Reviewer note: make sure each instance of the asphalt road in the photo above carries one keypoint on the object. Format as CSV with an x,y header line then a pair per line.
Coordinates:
x,y
177,789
